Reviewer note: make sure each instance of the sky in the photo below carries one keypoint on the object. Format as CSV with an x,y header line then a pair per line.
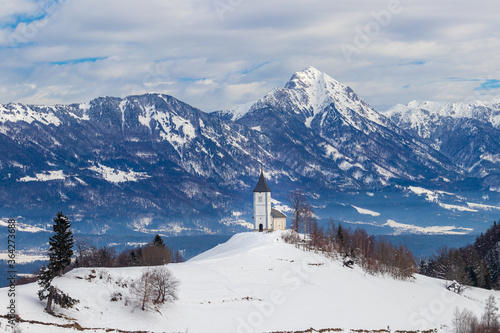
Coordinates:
x,y
216,54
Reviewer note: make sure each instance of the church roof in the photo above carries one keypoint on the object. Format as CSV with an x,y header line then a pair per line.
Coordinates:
x,y
277,214
261,185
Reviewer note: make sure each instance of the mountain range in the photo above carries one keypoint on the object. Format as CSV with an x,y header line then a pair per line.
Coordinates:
x,y
152,164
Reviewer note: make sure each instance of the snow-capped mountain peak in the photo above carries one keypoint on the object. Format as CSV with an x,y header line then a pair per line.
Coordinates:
x,y
310,93
315,91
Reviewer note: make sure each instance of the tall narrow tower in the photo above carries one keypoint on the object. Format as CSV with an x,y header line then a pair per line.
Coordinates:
x,y
262,205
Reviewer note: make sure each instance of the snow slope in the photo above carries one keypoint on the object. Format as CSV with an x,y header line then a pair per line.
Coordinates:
x,y
255,283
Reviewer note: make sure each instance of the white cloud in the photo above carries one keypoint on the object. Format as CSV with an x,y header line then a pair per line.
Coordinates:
x,y
184,48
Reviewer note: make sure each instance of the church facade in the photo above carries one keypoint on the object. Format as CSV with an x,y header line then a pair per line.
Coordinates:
x,y
265,217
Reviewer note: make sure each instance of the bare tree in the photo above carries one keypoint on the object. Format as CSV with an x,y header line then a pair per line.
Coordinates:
x,y
178,257
156,286
83,248
317,236
164,285
308,217
464,321
143,290
331,234
489,320
297,200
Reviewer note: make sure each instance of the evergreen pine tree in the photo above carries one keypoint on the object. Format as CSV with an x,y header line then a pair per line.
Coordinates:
x,y
45,277
158,241
340,235
61,245
60,252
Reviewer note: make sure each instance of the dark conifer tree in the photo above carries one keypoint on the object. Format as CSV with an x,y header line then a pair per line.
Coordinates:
x,y
60,253
158,241
61,245
133,257
45,277
340,235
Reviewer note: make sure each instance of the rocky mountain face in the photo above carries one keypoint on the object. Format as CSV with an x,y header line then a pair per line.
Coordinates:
x,y
141,161
153,164
343,140
466,133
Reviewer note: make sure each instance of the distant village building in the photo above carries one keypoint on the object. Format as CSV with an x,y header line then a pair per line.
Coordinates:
x,y
265,217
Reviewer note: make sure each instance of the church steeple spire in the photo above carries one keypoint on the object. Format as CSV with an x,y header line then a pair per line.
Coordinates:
x,y
262,185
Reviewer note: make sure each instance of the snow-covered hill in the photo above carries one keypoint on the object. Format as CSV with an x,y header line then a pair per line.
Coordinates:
x,y
254,283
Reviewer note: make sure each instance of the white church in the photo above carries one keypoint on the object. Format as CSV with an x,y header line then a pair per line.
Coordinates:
x,y
265,217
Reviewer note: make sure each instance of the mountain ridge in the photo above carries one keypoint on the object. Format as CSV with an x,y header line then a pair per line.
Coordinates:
x,y
464,132
153,164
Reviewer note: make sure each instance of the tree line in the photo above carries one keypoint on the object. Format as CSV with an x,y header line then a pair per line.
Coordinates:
x,y
476,265
152,254
355,246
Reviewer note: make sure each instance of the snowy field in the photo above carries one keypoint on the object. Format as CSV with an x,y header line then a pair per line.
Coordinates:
x,y
252,283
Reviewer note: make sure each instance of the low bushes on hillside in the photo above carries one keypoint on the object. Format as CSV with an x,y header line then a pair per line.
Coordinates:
x,y
357,247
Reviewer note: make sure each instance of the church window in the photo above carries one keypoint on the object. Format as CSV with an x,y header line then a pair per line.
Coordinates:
x,y
259,199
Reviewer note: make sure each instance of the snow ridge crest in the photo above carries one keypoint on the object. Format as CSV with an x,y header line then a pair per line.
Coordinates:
x,y
310,92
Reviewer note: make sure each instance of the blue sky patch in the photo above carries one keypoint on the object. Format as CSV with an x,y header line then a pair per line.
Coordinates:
x,y
253,69
461,79
413,63
489,85
77,61
46,8
189,79
14,21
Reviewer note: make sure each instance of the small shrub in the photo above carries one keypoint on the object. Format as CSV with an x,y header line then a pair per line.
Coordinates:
x,y
116,296
290,237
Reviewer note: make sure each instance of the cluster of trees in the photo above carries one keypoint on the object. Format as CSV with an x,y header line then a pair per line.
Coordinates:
x,y
466,322
476,265
156,285
152,254
373,255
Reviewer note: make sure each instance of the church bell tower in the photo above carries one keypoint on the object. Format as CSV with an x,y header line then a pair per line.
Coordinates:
x,y
262,205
